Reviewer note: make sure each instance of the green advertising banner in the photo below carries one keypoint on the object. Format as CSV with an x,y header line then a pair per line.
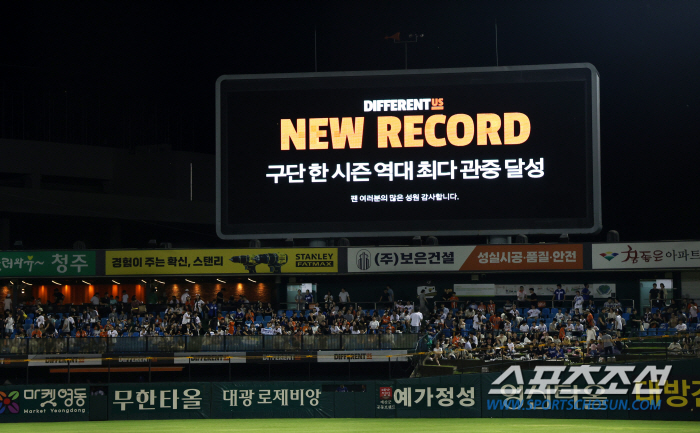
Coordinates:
x,y
47,264
272,400
160,401
44,403
454,396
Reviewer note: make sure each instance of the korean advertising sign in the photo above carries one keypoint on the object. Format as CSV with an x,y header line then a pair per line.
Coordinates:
x,y
454,151
221,261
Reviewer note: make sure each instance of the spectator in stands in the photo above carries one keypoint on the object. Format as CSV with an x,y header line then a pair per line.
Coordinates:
x,y
681,326
532,297
384,299
533,312
586,293
558,297
674,348
577,303
185,298
520,297
125,301
692,311
7,303
416,319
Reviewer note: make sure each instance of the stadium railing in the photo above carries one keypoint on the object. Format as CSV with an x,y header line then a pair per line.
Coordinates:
x,y
205,343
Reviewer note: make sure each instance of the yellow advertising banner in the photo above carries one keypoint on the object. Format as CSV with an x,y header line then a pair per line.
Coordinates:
x,y
221,261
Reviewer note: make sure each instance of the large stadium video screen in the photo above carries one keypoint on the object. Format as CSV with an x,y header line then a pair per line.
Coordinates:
x,y
429,152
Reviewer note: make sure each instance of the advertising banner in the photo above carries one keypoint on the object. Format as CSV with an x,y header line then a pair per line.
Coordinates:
x,y
543,291
221,261
159,401
466,258
638,391
362,356
271,400
648,255
209,358
47,264
44,403
446,397
65,360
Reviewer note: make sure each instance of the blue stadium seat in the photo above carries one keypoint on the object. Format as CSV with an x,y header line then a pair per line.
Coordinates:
x,y
553,311
267,319
290,313
258,319
103,322
545,311
651,332
654,310
642,333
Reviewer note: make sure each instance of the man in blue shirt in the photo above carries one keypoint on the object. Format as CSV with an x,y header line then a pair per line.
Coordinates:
x,y
586,293
308,299
558,298
342,388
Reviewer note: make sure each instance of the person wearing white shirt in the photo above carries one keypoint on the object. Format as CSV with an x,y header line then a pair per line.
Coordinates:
x,y
533,313
675,348
578,301
618,322
40,321
374,325
476,323
199,304
524,327
681,327
9,325
186,318
416,318
95,299
590,334
343,297
185,296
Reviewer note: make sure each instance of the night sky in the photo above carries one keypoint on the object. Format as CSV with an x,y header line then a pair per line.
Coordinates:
x,y
164,57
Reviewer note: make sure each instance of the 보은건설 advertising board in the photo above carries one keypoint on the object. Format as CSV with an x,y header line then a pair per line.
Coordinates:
x,y
466,258
221,261
453,151
47,263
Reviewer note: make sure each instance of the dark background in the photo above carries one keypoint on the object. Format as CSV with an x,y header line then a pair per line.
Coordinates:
x,y
144,72
558,111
